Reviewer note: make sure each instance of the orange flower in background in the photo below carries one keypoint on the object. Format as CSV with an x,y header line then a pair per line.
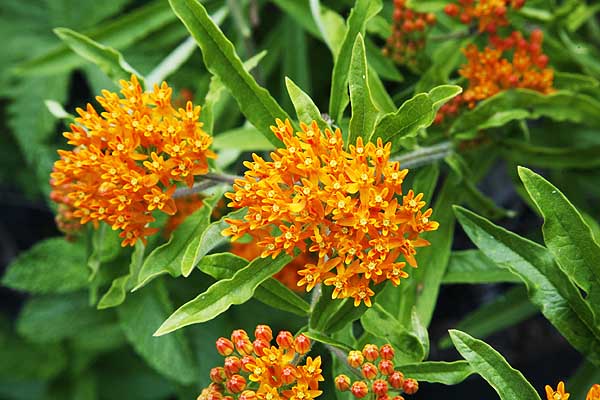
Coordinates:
x,y
594,393
260,370
558,394
489,14
344,206
126,160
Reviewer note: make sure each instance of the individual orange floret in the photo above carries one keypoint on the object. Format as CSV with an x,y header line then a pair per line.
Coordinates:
x,y
558,394
384,382
594,393
263,370
409,29
126,160
346,207
489,14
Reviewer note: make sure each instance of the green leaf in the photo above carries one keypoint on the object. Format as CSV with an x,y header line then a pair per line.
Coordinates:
x,y
306,110
319,337
171,63
559,106
567,235
50,266
106,58
473,267
119,34
445,59
414,114
446,373
380,96
208,239
506,310
509,383
379,322
244,139
58,111
171,355
364,111
106,246
382,66
270,292
220,58
357,21
227,292
548,286
573,82
552,157
52,318
118,289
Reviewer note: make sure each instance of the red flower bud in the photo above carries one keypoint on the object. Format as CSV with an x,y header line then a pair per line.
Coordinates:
x,y
259,346
398,398
288,375
380,387
370,352
217,375
369,371
451,9
396,380
263,332
224,346
248,395
359,389
302,344
410,386
244,346
239,334
285,339
232,365
386,352
236,384
342,382
245,361
386,367
355,358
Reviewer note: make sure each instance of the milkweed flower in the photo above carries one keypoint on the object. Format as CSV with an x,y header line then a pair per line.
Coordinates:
x,y
375,365
489,14
558,394
344,206
126,160
261,370
594,393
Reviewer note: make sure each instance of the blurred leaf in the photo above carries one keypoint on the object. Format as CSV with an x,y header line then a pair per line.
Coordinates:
x,y
414,114
446,373
364,112
51,266
140,315
58,111
220,296
52,318
574,82
552,157
509,383
548,286
220,58
244,139
504,311
321,338
383,66
380,323
171,63
118,289
473,267
357,21
445,59
106,246
306,110
567,236
580,15
582,380
106,58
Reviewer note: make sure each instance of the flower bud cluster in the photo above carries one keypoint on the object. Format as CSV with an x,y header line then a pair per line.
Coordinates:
x,y
259,370
408,34
489,14
376,367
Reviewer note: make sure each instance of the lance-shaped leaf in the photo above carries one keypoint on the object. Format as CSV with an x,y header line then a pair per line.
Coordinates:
x,y
509,383
306,110
552,157
220,296
447,373
362,12
414,114
118,289
548,286
221,59
472,266
364,111
106,58
567,235
319,337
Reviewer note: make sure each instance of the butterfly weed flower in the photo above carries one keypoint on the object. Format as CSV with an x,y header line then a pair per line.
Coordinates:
x,y
345,206
127,159
594,393
489,15
558,394
262,370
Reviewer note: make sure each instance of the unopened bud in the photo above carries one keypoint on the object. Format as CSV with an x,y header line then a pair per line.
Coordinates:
x,y
224,346
285,339
232,365
386,352
380,387
239,334
369,371
288,375
355,358
370,352
259,346
236,384
248,395
245,361
359,389
410,386
342,382
244,346
263,332
217,375
386,367
396,380
302,344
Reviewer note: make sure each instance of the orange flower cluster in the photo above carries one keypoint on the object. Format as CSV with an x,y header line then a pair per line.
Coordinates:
x,y
561,394
381,379
258,370
126,160
489,72
489,14
345,206
288,275
408,34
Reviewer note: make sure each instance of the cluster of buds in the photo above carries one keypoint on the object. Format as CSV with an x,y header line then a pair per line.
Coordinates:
x,y
126,161
489,14
344,206
490,71
561,394
409,29
375,365
259,370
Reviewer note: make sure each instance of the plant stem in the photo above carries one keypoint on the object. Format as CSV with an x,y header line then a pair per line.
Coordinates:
x,y
425,155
